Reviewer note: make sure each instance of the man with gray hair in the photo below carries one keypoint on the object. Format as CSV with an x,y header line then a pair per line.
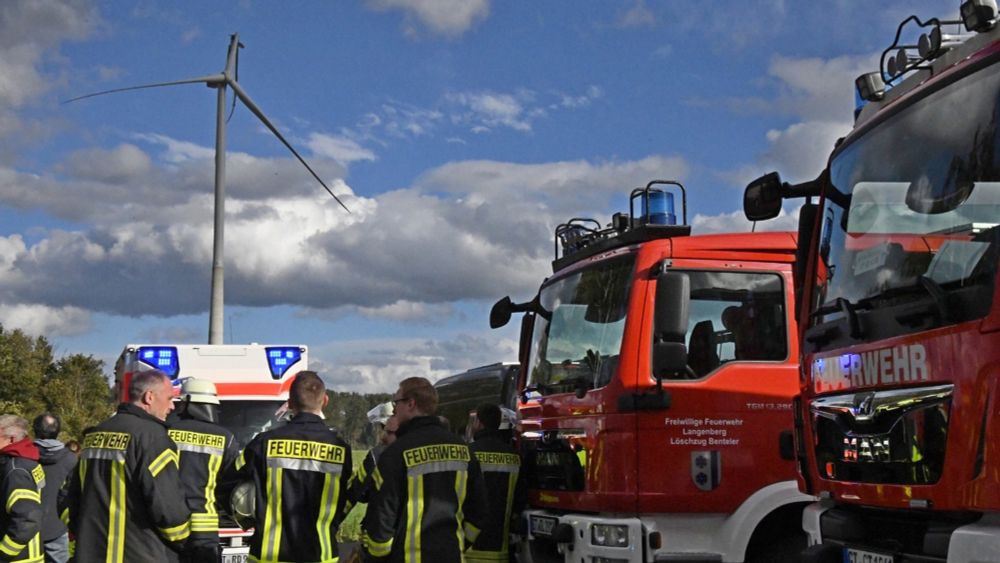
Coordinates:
x,y
21,478
126,502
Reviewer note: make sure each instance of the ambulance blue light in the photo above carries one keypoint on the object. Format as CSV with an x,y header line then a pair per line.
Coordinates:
x,y
280,358
163,358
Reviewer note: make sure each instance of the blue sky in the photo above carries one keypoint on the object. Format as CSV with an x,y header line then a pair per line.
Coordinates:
x,y
458,132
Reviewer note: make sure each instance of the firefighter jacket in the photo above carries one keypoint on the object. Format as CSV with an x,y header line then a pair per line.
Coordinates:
x,y
361,486
501,466
301,472
429,502
21,481
207,458
124,501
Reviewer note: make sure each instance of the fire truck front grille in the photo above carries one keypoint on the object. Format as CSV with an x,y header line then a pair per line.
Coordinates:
x,y
887,437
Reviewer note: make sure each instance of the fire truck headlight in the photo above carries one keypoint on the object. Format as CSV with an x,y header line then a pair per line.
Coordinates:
x,y
609,535
979,15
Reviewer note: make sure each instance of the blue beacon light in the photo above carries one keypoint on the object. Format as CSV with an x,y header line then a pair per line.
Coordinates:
x,y
658,208
280,358
163,358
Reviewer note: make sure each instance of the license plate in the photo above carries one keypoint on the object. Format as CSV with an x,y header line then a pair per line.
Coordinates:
x,y
236,557
542,525
852,555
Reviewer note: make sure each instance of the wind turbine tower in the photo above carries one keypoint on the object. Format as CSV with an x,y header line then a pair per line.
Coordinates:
x,y
227,78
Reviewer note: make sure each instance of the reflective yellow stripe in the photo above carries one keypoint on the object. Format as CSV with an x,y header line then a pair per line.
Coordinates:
x,y
22,494
10,547
240,461
179,532
35,548
65,517
511,487
377,479
327,508
475,556
414,517
271,544
471,532
214,463
116,514
162,460
460,478
203,522
374,548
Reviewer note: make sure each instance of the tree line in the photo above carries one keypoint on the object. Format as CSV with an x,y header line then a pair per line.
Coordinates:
x,y
33,380
77,389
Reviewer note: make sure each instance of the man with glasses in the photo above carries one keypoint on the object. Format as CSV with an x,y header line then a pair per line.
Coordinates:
x,y
429,501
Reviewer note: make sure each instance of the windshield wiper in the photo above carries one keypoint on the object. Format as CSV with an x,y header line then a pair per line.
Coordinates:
x,y
938,295
850,311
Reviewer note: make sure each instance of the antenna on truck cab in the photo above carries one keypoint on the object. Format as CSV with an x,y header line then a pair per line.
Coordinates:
x,y
220,81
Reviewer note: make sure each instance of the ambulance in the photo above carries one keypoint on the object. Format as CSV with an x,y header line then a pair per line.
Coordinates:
x,y
252,382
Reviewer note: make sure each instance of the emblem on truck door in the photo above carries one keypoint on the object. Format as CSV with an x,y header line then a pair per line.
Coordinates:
x,y
706,469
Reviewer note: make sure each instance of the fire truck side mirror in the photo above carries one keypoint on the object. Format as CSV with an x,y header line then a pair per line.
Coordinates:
x,y
762,198
670,322
500,313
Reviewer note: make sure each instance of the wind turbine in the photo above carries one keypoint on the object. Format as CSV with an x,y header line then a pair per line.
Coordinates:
x,y
220,81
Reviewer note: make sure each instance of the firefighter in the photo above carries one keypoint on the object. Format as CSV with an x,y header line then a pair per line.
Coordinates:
x,y
57,462
300,472
124,502
429,501
21,481
207,456
501,466
361,486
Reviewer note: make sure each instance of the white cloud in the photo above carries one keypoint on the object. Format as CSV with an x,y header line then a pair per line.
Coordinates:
x,y
408,311
820,95
288,243
490,110
42,320
637,15
450,18
379,365
114,166
343,150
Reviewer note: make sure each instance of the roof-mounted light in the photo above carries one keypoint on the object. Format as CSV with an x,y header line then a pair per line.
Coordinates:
x,y
163,358
870,86
281,358
979,15
934,44
901,61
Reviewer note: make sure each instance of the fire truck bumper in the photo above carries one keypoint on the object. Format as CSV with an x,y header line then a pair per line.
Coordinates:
x,y
574,537
842,533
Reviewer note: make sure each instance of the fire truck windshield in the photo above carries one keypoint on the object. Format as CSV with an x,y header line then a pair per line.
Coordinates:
x,y
911,213
577,341
246,419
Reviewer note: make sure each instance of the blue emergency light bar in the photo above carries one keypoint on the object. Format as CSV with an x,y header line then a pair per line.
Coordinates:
x,y
280,358
163,358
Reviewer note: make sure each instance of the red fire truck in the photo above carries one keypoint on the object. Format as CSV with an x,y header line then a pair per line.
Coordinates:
x,y
252,382
898,420
658,371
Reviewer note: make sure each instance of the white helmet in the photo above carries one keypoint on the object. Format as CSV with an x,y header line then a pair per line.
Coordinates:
x,y
380,413
508,419
199,391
